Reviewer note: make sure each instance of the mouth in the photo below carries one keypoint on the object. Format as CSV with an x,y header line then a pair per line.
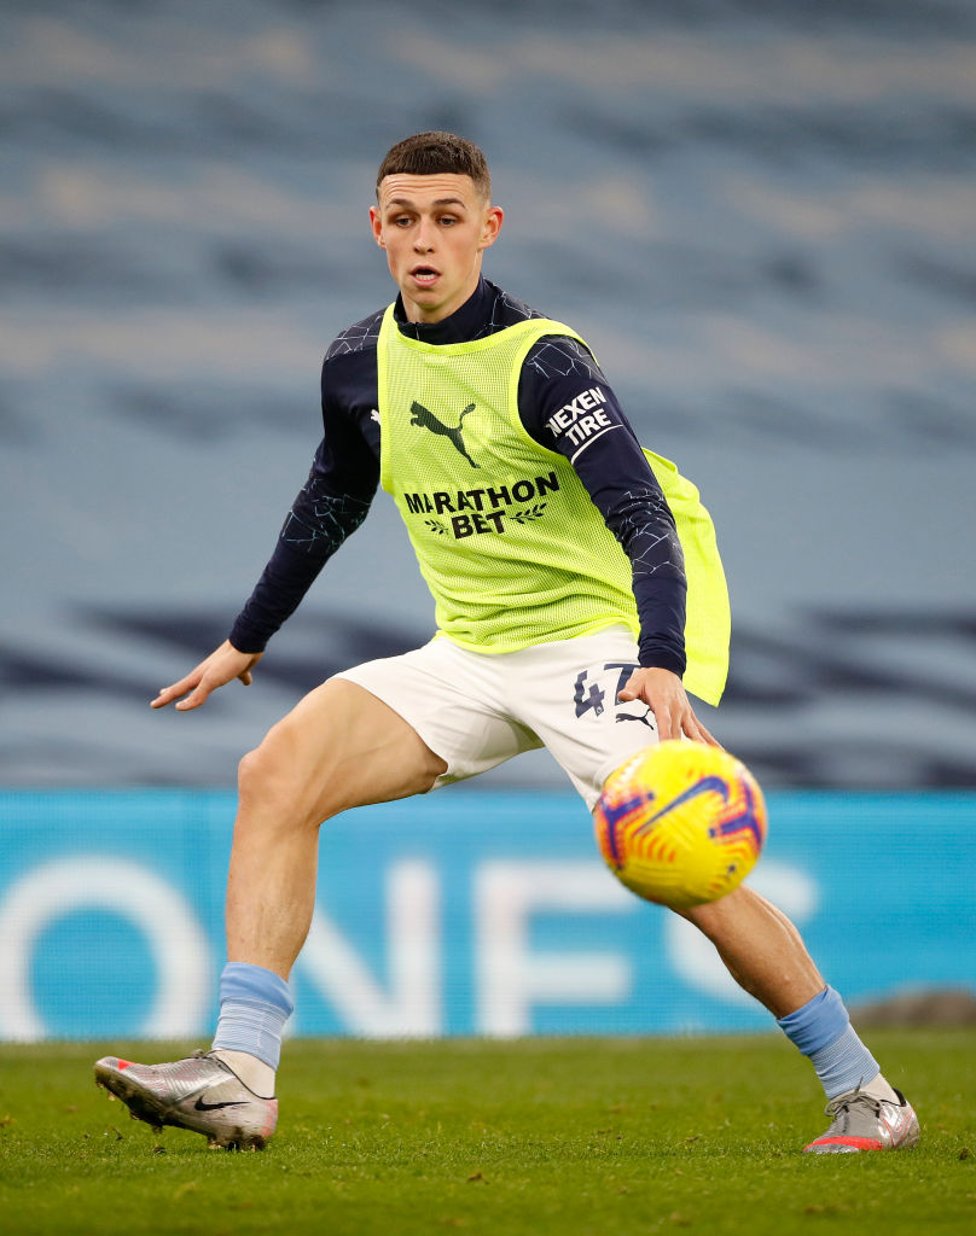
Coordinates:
x,y
426,276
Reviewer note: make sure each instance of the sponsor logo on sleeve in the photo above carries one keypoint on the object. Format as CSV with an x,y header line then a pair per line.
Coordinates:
x,y
582,418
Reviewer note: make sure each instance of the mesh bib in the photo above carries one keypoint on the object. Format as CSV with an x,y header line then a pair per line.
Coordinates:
x,y
511,546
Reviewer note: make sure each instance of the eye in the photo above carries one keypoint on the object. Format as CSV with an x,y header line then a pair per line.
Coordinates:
x,y
448,220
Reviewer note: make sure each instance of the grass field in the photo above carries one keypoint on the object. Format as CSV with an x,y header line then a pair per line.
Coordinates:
x,y
539,1136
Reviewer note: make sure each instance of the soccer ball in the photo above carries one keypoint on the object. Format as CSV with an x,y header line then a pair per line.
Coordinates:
x,y
681,823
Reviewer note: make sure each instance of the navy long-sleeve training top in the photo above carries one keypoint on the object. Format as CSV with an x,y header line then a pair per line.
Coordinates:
x,y
345,471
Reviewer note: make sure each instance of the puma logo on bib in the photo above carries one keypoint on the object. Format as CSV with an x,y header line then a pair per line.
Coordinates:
x,y
426,419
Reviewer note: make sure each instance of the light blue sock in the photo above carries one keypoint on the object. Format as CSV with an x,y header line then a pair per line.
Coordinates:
x,y
254,1005
822,1030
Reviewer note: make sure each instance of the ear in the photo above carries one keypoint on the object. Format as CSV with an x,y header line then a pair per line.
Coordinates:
x,y
376,223
494,218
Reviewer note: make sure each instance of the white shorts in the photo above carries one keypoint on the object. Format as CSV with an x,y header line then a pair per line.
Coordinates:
x,y
476,711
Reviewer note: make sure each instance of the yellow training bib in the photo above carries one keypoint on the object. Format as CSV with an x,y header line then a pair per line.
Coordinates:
x,y
506,536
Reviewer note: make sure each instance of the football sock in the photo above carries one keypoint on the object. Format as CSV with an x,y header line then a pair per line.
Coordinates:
x,y
255,1003
822,1030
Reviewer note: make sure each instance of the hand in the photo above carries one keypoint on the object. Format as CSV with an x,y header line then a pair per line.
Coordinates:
x,y
664,694
222,666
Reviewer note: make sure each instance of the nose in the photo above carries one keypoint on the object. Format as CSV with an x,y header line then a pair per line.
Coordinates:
x,y
423,237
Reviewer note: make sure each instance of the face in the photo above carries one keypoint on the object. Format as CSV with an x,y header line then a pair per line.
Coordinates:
x,y
434,230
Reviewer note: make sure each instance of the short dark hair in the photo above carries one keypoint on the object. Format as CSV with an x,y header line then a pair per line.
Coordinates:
x,y
426,154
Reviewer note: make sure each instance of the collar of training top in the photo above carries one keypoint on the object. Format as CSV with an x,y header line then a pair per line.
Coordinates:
x,y
462,325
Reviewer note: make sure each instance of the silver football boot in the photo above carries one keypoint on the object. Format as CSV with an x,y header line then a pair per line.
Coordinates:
x,y
200,1093
861,1122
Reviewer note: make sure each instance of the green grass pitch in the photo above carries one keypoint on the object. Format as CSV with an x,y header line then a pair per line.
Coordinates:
x,y
596,1136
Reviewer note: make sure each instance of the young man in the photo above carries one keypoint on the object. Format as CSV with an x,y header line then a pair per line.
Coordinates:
x,y
554,560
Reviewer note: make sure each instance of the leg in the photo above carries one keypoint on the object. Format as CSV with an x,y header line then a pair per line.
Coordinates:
x,y
568,693
761,948
766,956
340,747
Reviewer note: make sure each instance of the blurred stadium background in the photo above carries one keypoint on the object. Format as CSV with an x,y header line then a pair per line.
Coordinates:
x,y
762,217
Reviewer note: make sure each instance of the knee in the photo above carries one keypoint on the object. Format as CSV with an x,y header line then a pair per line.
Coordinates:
x,y
252,774
270,785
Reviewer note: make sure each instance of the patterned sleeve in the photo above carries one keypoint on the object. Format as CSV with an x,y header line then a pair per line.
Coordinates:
x,y
567,405
330,506
317,524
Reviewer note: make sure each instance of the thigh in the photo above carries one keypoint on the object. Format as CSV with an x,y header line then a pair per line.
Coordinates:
x,y
341,747
567,692
451,699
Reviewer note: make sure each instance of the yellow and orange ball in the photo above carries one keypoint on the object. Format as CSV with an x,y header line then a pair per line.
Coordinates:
x,y
681,823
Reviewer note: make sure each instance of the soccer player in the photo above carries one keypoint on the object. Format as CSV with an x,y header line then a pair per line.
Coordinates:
x,y
565,580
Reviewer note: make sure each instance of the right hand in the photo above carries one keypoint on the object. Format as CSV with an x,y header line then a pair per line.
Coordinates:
x,y
222,666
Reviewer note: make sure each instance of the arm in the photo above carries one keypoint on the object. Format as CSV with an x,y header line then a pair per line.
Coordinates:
x,y
317,524
619,480
332,504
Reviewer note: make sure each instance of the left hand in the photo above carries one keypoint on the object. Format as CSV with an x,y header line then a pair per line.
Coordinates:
x,y
664,693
